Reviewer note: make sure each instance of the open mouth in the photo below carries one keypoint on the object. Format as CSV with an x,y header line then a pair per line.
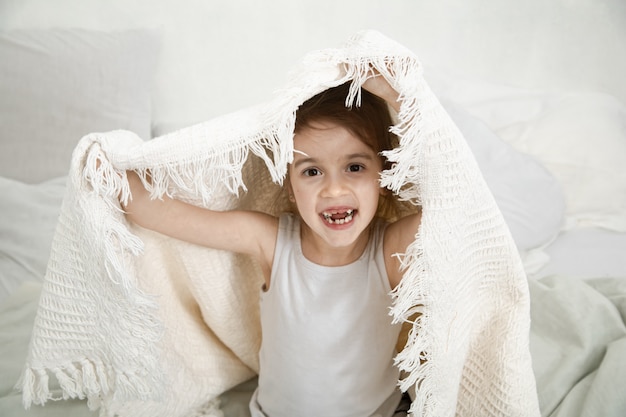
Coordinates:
x,y
338,217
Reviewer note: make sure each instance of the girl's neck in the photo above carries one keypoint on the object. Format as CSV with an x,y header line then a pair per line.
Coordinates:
x,y
317,251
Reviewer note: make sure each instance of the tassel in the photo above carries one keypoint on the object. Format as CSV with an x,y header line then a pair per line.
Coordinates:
x,y
42,388
68,383
103,377
90,381
34,386
26,384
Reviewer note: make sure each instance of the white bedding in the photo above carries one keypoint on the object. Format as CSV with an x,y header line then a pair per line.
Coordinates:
x,y
578,336
552,152
578,340
578,345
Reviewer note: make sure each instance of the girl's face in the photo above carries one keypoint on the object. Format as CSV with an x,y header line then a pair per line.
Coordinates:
x,y
334,183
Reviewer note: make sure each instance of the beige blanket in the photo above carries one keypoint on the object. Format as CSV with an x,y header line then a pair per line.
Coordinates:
x,y
143,325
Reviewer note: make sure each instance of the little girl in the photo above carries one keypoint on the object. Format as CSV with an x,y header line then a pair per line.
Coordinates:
x,y
329,267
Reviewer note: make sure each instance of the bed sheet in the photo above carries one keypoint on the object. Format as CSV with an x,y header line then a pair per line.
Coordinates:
x,y
578,345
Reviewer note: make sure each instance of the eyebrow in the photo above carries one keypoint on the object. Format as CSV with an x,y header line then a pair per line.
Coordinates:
x,y
310,160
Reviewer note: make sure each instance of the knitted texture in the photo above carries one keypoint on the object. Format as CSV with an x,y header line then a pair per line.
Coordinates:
x,y
144,325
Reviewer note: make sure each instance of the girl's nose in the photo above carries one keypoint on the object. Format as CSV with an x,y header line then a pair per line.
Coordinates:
x,y
333,186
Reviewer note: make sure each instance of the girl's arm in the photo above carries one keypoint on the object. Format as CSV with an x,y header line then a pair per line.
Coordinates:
x,y
377,85
248,232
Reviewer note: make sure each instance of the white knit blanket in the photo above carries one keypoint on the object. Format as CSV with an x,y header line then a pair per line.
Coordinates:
x,y
143,325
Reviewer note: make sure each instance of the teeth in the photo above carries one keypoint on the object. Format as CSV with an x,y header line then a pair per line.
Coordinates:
x,y
329,217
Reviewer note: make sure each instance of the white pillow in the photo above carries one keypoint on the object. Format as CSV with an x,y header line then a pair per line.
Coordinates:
x,y
29,218
581,139
529,197
586,253
58,85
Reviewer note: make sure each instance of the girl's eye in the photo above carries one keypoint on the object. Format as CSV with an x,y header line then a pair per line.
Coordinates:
x,y
356,168
311,172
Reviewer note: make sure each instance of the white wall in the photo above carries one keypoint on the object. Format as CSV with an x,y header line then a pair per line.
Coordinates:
x,y
222,55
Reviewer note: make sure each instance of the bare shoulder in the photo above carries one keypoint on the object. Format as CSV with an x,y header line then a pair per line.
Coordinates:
x,y
398,236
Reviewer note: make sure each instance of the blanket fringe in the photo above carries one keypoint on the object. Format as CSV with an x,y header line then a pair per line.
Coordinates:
x,y
84,379
411,303
215,167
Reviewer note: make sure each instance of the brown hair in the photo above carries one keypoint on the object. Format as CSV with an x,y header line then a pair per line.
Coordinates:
x,y
370,121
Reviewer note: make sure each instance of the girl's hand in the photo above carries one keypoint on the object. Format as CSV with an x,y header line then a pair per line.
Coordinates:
x,y
378,85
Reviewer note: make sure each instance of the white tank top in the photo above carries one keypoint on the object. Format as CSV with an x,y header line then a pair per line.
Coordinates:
x,y
328,342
